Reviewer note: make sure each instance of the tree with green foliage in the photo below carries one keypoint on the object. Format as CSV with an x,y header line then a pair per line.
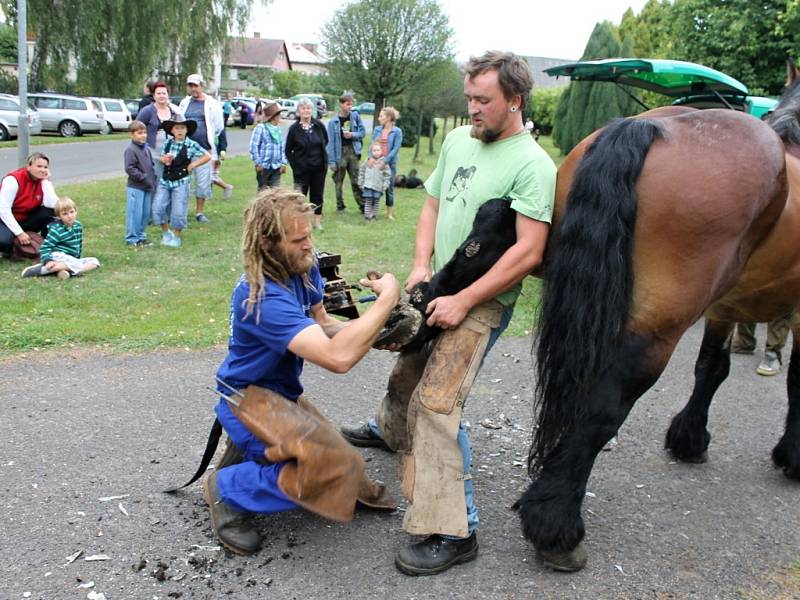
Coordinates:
x,y
544,103
112,47
381,48
586,106
286,84
8,43
737,37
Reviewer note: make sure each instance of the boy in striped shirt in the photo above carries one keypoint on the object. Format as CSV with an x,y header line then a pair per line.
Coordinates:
x,y
61,250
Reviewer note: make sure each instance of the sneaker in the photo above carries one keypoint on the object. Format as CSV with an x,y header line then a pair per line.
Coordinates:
x,y
227,193
144,243
63,275
175,242
201,218
33,270
166,237
770,365
222,155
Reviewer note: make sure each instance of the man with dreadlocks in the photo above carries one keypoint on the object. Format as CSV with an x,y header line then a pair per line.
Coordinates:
x,y
285,453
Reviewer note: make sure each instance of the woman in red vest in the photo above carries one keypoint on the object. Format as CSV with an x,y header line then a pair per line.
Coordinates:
x,y
27,198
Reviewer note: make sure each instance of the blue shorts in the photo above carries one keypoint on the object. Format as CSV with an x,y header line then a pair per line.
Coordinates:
x,y
171,206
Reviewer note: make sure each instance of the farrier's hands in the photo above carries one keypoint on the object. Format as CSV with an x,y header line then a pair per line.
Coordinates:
x,y
417,275
24,239
386,287
447,312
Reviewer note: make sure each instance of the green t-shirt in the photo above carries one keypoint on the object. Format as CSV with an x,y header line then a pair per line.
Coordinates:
x,y
471,172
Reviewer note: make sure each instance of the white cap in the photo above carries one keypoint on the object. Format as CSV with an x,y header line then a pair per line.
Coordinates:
x,y
195,78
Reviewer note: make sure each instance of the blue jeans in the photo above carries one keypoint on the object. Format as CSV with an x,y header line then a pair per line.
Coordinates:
x,y
137,214
202,181
463,436
171,206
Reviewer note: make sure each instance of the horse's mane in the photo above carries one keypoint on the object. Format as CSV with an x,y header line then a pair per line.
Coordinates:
x,y
785,119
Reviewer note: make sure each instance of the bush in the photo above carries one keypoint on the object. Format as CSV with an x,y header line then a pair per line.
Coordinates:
x,y
408,123
543,107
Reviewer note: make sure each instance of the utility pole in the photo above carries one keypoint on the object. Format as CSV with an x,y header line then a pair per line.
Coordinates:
x,y
23,134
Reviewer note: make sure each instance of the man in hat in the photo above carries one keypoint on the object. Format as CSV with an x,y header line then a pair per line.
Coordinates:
x,y
206,112
27,199
180,156
267,148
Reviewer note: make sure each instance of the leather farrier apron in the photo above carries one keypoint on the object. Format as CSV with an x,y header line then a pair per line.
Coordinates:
x,y
323,474
432,466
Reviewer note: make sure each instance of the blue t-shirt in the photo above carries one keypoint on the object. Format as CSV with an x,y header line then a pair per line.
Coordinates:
x,y
258,352
196,111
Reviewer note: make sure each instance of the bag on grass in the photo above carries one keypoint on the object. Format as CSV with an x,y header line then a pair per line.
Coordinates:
x,y
27,252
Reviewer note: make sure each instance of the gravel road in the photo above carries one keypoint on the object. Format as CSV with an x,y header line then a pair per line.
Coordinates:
x,y
85,426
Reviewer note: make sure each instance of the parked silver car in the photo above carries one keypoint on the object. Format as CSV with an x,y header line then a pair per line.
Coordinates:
x,y
9,117
68,115
116,115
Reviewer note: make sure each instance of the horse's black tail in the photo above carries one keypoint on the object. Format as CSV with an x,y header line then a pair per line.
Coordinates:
x,y
588,280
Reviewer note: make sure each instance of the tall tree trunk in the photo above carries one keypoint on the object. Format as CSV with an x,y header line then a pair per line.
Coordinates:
x,y
431,133
419,135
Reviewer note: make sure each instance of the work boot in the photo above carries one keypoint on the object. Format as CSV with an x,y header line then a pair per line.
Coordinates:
x,y
231,527
231,456
364,437
435,554
770,365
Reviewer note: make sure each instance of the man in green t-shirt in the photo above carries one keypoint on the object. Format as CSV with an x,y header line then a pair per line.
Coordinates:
x,y
420,416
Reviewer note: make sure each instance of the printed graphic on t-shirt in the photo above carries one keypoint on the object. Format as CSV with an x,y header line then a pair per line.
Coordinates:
x,y
460,184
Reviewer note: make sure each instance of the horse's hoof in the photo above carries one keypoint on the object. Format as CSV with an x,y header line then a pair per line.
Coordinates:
x,y
697,460
402,326
568,562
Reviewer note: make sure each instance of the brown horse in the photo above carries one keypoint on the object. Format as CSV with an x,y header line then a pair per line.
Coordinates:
x,y
660,219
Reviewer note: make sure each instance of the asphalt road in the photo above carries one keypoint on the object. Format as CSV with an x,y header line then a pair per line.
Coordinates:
x,y
83,426
86,160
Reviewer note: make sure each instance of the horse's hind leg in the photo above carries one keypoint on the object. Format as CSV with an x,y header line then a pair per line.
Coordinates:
x,y
687,437
550,509
786,455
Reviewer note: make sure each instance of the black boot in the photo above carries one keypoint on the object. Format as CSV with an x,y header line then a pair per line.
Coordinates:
x,y
436,554
364,437
231,527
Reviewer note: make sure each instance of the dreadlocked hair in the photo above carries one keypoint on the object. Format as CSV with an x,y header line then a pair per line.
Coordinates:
x,y
265,220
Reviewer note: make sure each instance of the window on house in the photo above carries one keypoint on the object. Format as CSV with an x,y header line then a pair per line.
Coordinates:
x,y
233,74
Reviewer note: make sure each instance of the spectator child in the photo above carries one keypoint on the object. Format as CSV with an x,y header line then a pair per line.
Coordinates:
x,y
141,185
62,248
373,179
180,157
216,178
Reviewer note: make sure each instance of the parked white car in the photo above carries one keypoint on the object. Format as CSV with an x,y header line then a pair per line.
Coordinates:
x,y
116,115
68,115
9,117
289,108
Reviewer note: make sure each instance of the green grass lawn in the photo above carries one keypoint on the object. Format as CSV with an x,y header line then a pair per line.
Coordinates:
x,y
165,297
